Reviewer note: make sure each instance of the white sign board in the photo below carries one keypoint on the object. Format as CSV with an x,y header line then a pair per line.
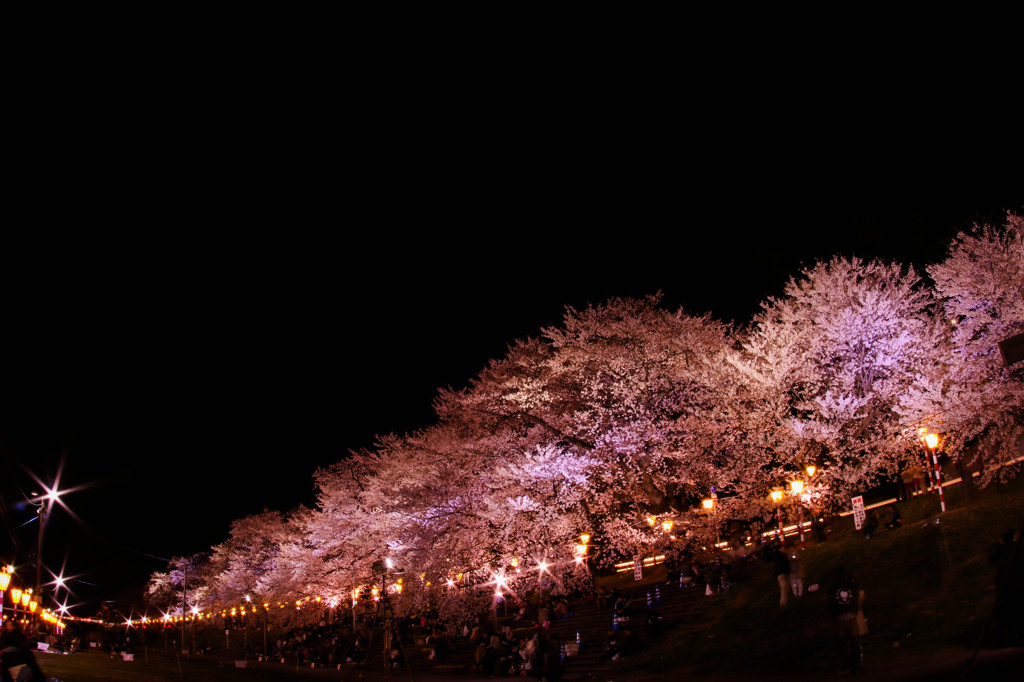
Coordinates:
x,y
858,511
638,568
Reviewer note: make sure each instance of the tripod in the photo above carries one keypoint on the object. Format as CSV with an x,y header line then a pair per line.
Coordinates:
x,y
388,623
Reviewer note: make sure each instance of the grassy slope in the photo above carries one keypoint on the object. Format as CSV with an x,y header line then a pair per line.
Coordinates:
x,y
928,587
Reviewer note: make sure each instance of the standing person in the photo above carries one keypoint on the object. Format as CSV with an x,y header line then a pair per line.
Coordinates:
x,y
782,569
870,524
796,575
895,520
844,603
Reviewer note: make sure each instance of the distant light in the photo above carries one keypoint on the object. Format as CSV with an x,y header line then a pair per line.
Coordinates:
x,y
543,566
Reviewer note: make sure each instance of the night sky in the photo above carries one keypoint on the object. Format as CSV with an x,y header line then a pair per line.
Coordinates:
x,y
192,326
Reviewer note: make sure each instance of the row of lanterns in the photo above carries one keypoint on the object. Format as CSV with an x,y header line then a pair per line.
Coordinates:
x,y
24,598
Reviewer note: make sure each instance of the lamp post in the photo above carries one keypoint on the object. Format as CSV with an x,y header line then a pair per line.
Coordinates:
x,y
798,487
47,500
776,496
5,582
931,441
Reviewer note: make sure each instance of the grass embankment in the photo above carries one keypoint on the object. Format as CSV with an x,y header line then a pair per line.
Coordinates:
x,y
929,587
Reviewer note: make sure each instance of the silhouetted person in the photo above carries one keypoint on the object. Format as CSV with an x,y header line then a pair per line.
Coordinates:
x,y
17,652
895,520
844,598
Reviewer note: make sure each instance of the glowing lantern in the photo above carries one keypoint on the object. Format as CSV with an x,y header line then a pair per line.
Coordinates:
x,y
15,595
5,579
708,504
811,469
932,440
797,487
585,538
776,495
667,525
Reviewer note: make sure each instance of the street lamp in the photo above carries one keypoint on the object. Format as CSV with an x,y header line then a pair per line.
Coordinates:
x,y
798,487
931,441
776,496
45,502
5,582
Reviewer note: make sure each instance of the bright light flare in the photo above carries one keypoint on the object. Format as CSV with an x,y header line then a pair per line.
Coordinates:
x,y
932,440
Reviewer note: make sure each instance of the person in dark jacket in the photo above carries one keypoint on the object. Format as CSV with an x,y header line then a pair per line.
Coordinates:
x,y
16,654
844,597
782,567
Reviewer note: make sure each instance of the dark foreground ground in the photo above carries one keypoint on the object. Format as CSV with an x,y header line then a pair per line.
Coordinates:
x,y
1001,664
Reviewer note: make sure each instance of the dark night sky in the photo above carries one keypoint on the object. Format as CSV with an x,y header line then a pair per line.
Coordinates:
x,y
194,321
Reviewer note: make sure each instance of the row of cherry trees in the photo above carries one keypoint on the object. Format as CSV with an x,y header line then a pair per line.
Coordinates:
x,y
621,420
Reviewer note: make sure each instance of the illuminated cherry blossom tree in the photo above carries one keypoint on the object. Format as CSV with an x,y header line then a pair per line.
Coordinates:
x,y
967,394
827,363
244,565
